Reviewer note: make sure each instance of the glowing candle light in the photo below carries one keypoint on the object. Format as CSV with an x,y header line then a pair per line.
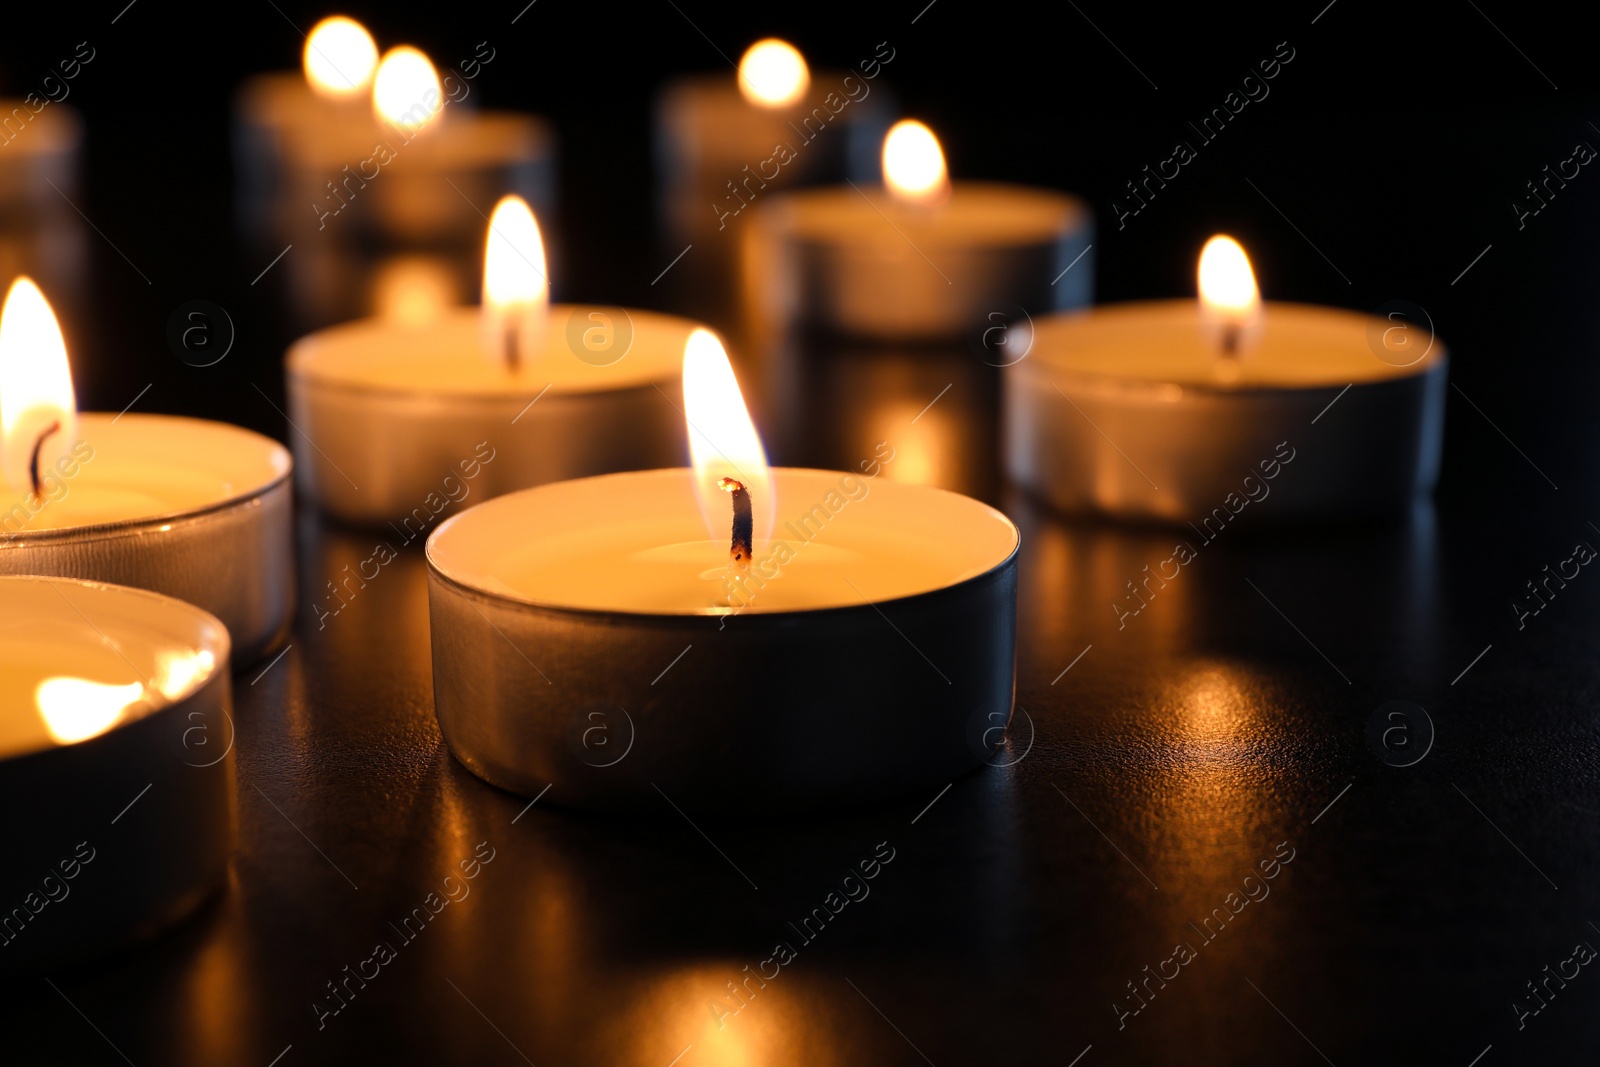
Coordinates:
x,y
340,58
773,74
38,418
406,92
516,288
1230,303
913,164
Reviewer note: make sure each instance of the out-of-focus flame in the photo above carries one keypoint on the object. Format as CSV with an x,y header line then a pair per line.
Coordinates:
x,y
406,92
1230,303
723,442
35,387
413,289
773,73
516,289
913,164
340,57
76,709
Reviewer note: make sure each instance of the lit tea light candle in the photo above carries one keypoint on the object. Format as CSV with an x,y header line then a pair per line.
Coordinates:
x,y
741,619
390,409
362,146
114,709
727,140
195,510
1188,411
918,258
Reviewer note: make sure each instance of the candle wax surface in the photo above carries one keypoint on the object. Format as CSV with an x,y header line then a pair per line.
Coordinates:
x,y
1301,346
141,653
637,543
145,467
975,213
446,356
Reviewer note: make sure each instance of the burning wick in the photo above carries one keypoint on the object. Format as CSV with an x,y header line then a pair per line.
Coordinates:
x,y
743,523
38,487
1230,341
513,355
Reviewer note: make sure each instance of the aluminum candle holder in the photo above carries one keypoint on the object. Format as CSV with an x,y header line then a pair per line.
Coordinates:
x,y
1120,410
884,665
852,262
400,415
304,161
196,510
116,768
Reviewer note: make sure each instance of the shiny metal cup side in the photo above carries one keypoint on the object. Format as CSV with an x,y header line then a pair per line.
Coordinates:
x,y
751,715
150,804
381,456
1173,453
235,560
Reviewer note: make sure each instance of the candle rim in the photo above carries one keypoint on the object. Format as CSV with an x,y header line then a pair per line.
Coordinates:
x,y
280,457
515,602
1039,363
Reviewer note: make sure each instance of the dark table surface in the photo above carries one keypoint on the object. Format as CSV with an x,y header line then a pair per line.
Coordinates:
x,y
1158,763
1152,767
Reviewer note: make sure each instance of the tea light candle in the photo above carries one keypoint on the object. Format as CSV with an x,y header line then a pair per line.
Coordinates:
x,y
192,509
364,145
1188,412
795,639
724,141
918,259
116,767
523,392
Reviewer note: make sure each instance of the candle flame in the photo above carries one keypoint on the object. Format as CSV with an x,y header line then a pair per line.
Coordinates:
x,y
340,57
773,73
406,92
35,387
913,164
76,709
516,288
723,442
1230,303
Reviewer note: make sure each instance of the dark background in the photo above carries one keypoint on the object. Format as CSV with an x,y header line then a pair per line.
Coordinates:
x,y
1189,744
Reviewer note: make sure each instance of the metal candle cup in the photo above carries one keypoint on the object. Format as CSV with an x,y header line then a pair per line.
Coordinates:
x,y
116,767
191,509
303,158
388,412
857,263
720,146
577,645
1122,410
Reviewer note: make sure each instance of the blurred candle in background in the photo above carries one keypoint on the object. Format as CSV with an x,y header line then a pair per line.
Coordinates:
x,y
427,408
1194,410
919,258
725,141
361,159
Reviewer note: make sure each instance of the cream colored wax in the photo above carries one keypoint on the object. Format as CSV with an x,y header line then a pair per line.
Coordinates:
x,y
638,543
134,467
78,660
